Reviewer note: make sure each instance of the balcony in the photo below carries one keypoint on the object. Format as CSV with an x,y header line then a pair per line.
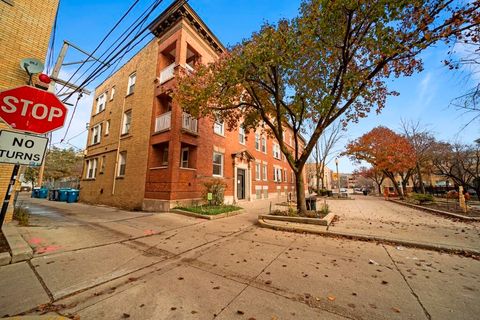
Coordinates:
x,y
189,123
163,122
167,73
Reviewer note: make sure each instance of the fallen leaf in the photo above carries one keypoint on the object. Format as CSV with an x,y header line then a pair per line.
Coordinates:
x,y
126,315
240,312
331,298
396,310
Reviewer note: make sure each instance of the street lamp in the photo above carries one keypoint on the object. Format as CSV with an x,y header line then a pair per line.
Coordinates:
x,y
338,177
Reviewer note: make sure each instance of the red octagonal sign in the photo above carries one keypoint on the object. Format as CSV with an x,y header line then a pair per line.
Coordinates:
x,y
30,109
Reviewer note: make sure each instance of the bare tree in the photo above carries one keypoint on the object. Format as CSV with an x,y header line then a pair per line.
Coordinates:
x,y
459,162
323,152
372,174
422,141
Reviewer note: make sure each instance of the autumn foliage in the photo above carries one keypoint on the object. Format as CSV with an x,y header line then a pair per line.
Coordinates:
x,y
330,63
386,150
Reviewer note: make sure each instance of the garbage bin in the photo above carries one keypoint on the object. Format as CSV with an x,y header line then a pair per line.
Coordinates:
x,y
43,193
35,192
311,204
72,196
53,195
329,193
62,194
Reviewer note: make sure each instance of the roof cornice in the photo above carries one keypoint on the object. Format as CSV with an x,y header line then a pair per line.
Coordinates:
x,y
179,10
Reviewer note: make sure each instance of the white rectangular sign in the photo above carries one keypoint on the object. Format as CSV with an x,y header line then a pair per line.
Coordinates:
x,y
20,148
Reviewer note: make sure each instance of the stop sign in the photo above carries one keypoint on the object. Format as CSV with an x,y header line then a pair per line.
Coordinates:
x,y
30,109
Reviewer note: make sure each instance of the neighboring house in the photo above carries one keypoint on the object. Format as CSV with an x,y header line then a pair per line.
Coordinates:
x,y
24,33
145,152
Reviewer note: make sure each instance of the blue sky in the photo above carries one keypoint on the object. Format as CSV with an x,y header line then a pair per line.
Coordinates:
x,y
424,97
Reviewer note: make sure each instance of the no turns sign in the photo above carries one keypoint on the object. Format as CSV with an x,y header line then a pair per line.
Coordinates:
x,y
18,148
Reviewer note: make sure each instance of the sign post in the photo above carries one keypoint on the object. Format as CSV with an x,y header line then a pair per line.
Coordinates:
x,y
17,148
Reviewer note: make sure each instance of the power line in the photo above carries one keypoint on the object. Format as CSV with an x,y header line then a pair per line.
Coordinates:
x,y
103,40
51,48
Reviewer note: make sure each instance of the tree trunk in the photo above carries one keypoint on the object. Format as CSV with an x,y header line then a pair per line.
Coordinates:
x,y
379,185
419,172
300,188
391,176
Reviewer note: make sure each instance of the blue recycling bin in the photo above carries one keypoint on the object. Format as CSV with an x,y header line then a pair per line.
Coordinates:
x,y
62,194
35,192
72,196
43,193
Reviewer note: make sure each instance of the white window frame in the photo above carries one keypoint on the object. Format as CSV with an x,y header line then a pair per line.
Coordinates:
x,y
126,126
263,144
132,80
91,171
258,171
216,164
219,128
122,161
285,178
112,93
241,134
276,151
265,172
101,102
182,160
257,141
107,127
96,134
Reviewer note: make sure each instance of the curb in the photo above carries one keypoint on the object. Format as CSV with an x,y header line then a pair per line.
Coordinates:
x,y
386,240
320,222
5,258
437,212
208,217
18,246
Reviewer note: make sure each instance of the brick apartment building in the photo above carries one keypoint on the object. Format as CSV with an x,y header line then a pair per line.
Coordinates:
x,y
145,152
25,28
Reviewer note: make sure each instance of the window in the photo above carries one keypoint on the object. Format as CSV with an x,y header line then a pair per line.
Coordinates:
x,y
277,174
293,178
258,173
276,151
165,156
265,172
96,134
101,102
122,163
107,127
217,164
184,158
285,175
102,164
241,134
112,93
219,128
264,145
91,168
131,83
257,141
127,119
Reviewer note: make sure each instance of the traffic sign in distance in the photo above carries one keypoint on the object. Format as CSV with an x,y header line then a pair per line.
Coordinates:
x,y
33,110
19,148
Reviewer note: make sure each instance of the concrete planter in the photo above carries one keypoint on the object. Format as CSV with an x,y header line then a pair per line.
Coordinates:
x,y
18,246
321,222
436,211
208,217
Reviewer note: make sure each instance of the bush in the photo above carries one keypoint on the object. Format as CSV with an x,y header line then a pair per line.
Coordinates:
x,y
217,188
22,215
422,198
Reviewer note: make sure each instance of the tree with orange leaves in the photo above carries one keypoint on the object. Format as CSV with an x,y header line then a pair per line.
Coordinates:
x,y
385,150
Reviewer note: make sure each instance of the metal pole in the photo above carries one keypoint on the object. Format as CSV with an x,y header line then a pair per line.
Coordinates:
x,y
8,194
338,178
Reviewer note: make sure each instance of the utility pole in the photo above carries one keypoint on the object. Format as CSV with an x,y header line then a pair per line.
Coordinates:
x,y
55,79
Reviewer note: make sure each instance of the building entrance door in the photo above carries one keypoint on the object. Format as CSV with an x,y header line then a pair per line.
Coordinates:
x,y
240,184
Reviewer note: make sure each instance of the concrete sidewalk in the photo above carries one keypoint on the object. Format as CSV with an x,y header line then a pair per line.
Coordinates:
x,y
104,263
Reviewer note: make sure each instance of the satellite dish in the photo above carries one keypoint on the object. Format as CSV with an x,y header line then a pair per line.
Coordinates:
x,y
32,65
